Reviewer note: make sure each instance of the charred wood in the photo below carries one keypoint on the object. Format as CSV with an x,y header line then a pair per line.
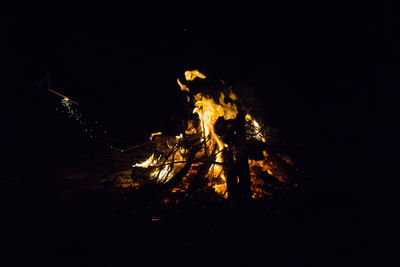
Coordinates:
x,y
231,177
242,165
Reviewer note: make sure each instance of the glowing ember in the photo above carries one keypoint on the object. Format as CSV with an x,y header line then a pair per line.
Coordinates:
x,y
129,185
155,219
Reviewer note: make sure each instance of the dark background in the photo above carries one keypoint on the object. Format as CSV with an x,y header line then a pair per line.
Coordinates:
x,y
316,72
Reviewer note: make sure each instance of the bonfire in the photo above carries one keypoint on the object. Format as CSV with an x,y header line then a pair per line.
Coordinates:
x,y
221,151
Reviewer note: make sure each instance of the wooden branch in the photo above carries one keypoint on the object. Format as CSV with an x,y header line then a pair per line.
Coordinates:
x,y
291,173
173,182
166,158
199,178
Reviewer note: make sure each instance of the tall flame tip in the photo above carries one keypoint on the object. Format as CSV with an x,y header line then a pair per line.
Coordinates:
x,y
190,75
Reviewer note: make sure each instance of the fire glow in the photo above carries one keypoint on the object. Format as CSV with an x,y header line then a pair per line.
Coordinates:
x,y
164,166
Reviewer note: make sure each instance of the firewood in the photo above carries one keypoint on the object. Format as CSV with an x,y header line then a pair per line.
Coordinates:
x,y
231,176
174,181
242,165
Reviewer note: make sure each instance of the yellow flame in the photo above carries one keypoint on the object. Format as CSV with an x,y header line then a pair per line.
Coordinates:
x,y
221,189
190,129
257,128
161,174
182,86
190,75
154,134
209,111
146,163
232,96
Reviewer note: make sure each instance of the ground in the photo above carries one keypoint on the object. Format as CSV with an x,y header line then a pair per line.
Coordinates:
x,y
77,219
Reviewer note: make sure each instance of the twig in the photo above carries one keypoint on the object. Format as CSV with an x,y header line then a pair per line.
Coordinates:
x,y
124,150
169,154
257,133
184,161
172,166
159,193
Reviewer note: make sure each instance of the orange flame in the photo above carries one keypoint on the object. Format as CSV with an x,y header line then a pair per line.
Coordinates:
x,y
182,86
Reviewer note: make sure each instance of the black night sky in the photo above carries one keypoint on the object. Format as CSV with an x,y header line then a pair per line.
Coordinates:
x,y
315,72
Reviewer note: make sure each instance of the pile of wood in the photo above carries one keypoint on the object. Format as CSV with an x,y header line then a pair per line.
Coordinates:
x,y
182,166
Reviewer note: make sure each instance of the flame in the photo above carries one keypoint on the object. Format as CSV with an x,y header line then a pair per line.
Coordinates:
x,y
209,111
146,163
221,189
154,134
161,174
190,75
232,96
190,129
182,86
